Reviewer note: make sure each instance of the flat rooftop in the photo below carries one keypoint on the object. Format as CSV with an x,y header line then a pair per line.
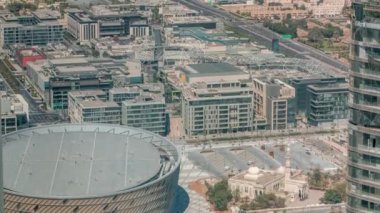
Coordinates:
x,y
207,69
87,160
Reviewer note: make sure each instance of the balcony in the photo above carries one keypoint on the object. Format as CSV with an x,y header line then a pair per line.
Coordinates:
x,y
364,195
366,165
365,107
367,74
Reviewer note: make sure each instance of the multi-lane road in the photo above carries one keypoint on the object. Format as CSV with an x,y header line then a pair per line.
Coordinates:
x,y
265,36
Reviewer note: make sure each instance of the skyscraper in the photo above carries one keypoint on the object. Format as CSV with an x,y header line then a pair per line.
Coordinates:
x,y
363,177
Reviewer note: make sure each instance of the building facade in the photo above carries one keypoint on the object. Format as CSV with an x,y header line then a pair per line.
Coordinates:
x,y
54,78
275,101
217,108
39,28
146,111
363,188
301,84
81,26
327,103
92,106
14,112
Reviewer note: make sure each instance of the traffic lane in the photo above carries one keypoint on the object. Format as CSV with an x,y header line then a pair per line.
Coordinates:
x,y
299,49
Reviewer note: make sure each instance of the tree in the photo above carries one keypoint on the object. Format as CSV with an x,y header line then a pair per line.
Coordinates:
x,y
265,201
156,14
15,7
316,35
236,194
260,2
219,195
332,196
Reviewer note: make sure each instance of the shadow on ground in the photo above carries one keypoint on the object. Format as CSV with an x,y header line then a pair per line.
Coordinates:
x,y
182,200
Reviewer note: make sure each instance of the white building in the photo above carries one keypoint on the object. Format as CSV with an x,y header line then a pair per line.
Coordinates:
x,y
81,26
14,112
256,182
282,181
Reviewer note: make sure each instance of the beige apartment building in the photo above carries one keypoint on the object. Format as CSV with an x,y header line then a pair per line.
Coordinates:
x,y
274,100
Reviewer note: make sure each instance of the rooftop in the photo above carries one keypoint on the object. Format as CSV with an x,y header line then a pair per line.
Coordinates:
x,y
258,176
87,160
208,69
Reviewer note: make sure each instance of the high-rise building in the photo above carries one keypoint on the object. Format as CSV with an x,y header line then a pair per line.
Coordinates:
x,y
363,177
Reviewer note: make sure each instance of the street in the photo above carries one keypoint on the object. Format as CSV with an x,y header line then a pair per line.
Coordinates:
x,y
265,36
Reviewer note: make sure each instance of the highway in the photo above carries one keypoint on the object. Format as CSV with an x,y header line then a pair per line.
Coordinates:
x,y
265,36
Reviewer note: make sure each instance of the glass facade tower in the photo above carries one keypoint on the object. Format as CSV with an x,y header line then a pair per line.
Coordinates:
x,y
363,188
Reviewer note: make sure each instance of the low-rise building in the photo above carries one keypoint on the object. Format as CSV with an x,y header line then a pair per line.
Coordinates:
x,y
282,181
105,21
146,111
92,107
41,27
139,28
81,26
255,182
211,72
24,56
191,21
301,83
56,77
217,108
328,103
14,112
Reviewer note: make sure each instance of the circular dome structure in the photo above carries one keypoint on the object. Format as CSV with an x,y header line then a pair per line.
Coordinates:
x,y
253,170
89,168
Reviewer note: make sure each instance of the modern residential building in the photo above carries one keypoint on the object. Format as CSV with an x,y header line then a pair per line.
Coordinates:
x,y
274,100
92,106
14,112
81,26
217,108
121,94
363,176
328,103
301,83
56,77
39,28
139,28
146,111
105,21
